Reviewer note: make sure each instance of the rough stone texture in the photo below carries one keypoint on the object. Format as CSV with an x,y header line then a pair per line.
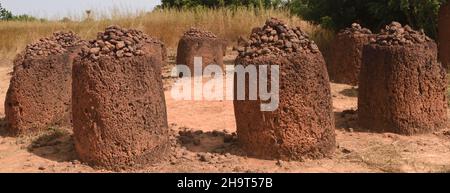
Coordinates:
x,y
346,54
396,34
303,125
402,89
198,33
71,42
119,105
67,39
119,42
276,38
198,43
39,95
444,35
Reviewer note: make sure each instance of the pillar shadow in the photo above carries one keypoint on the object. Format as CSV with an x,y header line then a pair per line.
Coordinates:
x,y
347,120
55,144
350,92
215,142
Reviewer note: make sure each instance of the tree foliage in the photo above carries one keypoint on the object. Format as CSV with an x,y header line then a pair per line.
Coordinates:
x,y
7,15
337,14
180,4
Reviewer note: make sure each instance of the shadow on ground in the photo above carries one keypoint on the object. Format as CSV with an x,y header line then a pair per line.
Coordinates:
x,y
56,144
350,92
347,120
219,142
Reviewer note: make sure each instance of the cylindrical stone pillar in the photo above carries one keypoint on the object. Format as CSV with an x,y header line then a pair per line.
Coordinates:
x,y
119,111
39,94
402,85
303,124
346,54
198,43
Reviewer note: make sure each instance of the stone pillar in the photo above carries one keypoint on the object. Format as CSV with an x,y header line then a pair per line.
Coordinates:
x,y
303,124
402,85
346,54
119,111
39,95
197,43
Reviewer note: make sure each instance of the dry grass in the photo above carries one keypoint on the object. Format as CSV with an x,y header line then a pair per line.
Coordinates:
x,y
167,25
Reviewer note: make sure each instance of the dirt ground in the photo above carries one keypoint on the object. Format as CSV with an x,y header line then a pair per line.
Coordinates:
x,y
203,141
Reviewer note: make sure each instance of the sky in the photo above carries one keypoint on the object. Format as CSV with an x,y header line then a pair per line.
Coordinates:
x,y
56,9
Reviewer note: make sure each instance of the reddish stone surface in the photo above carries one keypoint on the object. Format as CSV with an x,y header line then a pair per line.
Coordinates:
x,y
444,35
402,89
39,94
346,56
207,46
303,125
120,118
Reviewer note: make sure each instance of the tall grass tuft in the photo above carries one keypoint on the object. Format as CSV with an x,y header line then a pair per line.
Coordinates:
x,y
167,25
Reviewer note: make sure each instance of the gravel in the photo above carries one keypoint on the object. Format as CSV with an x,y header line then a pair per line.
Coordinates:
x,y
67,39
276,38
396,34
198,33
355,29
56,44
44,47
118,42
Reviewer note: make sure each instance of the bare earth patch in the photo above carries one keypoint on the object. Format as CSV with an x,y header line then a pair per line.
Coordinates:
x,y
204,146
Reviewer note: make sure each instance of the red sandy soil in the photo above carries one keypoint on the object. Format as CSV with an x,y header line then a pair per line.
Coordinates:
x,y
357,151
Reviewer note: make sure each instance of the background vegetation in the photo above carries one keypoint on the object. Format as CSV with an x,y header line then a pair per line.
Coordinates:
x,y
179,4
374,14
165,24
6,15
227,18
338,14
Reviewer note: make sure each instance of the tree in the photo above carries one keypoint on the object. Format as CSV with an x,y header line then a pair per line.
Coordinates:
x,y
338,14
5,14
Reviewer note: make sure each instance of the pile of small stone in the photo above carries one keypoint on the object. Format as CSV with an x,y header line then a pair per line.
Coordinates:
x,y
67,39
44,47
198,33
276,38
56,44
355,29
117,42
396,34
